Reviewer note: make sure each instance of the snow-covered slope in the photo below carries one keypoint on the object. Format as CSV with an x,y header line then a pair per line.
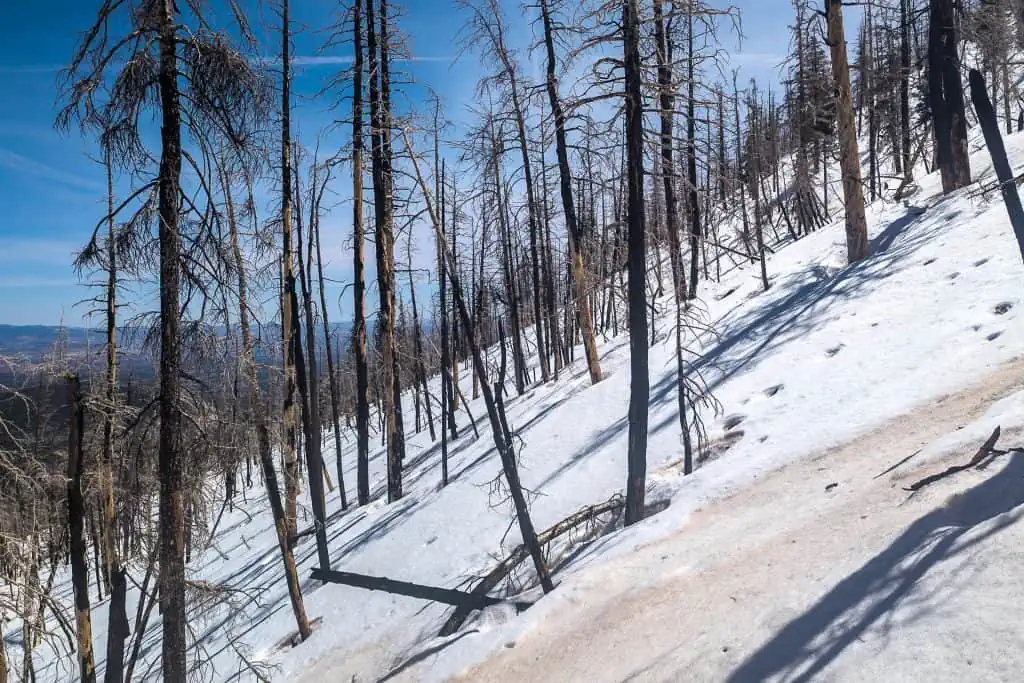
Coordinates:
x,y
829,353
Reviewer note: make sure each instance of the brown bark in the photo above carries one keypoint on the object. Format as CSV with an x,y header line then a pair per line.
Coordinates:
x,y
575,234
289,338
849,156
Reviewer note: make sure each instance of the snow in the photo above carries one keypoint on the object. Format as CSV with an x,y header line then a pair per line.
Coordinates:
x,y
832,356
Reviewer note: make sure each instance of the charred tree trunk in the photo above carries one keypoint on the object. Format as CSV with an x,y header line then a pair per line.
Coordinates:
x,y
358,269
946,97
390,398
332,377
171,458
666,103
421,368
309,394
908,164
76,532
262,434
117,629
990,127
691,157
499,429
575,233
639,390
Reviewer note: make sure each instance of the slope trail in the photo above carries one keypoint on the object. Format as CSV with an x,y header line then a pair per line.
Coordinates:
x,y
796,579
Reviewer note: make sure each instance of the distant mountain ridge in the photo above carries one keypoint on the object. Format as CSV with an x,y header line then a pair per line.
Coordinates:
x,y
35,340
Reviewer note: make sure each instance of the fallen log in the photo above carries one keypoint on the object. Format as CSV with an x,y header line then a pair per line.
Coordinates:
x,y
979,460
491,580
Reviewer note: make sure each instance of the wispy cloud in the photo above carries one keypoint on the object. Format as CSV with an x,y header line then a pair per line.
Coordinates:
x,y
339,60
30,68
23,164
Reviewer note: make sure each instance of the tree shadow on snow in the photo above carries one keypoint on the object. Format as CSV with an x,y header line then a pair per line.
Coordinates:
x,y
807,645
806,306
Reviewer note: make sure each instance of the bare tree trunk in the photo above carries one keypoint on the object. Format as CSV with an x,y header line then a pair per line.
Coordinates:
x,y
309,393
691,155
849,157
389,398
117,629
569,211
908,164
331,374
421,368
288,329
668,171
447,409
1004,172
171,460
639,390
262,433
76,532
358,286
946,97
499,429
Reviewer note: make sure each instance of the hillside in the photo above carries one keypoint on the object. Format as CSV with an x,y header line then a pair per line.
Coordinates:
x,y
832,376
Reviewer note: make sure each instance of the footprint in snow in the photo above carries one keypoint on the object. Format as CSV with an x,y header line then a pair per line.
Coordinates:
x,y
993,336
771,391
1002,308
834,350
928,262
733,421
980,262
952,276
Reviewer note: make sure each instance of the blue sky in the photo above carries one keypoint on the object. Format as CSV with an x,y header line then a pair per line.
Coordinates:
x,y
52,195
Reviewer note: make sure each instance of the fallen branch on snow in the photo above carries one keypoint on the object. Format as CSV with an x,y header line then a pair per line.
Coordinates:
x,y
520,554
982,459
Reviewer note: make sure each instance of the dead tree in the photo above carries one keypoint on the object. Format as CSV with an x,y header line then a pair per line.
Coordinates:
x,y
946,97
264,454
990,127
289,332
499,430
76,531
358,268
380,115
639,391
573,228
849,156
332,375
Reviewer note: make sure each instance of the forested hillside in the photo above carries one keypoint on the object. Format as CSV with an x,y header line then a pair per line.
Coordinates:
x,y
623,284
